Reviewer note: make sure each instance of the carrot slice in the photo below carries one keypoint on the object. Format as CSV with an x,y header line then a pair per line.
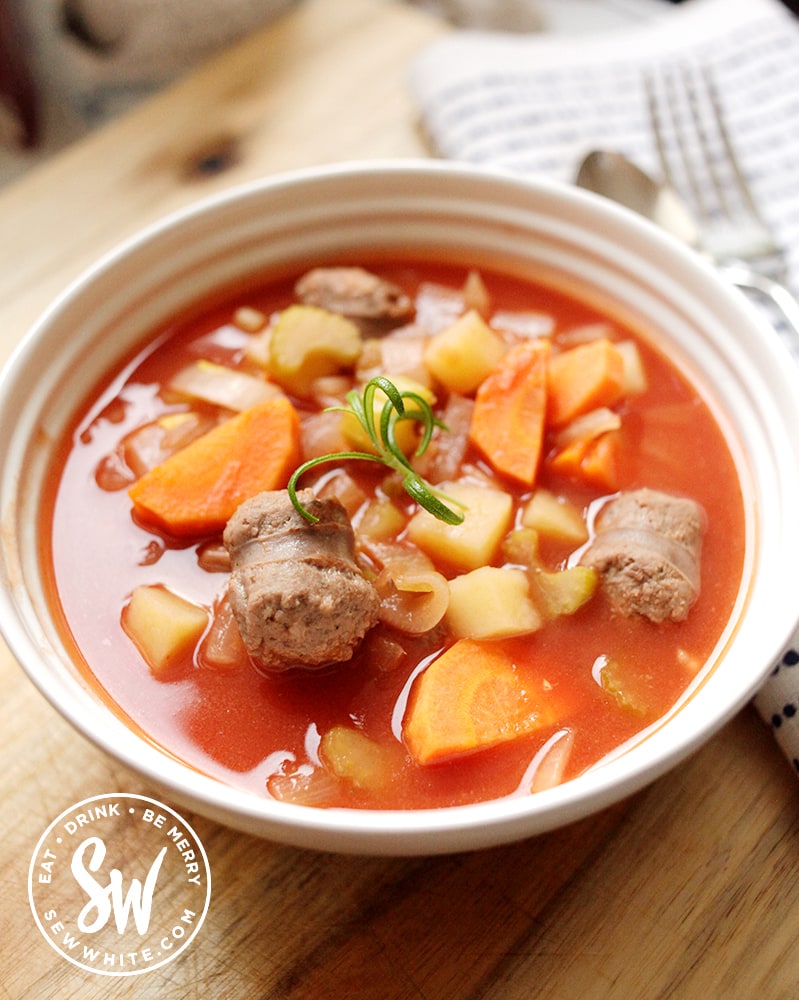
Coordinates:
x,y
600,463
471,698
584,378
510,409
196,491
592,460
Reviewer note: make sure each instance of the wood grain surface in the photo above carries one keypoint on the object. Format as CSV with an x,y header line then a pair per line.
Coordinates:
x,y
688,890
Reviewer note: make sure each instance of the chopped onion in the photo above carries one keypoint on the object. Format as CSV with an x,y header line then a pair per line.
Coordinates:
x,y
148,446
548,767
249,319
383,653
437,306
344,488
414,596
330,390
321,435
553,759
306,786
401,355
524,324
258,347
587,332
223,648
442,460
222,386
475,293
112,472
213,557
634,380
588,426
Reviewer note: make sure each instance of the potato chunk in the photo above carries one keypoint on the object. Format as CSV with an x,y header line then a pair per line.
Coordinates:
x,y
380,521
554,593
491,603
464,353
308,342
406,431
351,755
563,592
466,546
162,625
627,688
555,518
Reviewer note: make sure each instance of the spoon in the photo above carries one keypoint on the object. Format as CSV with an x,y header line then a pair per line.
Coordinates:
x,y
611,174
614,176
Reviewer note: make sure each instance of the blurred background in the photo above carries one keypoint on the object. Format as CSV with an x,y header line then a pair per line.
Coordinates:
x,y
67,66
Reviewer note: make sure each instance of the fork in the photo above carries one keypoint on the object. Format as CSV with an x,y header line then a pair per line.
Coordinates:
x,y
697,157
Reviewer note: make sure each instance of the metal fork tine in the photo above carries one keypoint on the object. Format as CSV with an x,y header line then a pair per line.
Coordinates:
x,y
694,146
705,143
659,109
697,159
732,156
658,130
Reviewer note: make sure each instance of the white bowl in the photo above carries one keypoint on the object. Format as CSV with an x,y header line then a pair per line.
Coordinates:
x,y
458,212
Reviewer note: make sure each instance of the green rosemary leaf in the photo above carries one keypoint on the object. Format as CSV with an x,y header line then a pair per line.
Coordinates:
x,y
388,387
382,434
430,500
339,456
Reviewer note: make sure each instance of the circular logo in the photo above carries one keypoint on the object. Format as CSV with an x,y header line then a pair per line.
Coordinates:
x,y
119,884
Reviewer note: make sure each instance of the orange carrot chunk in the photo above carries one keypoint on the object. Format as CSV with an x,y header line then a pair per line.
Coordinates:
x,y
195,491
582,379
471,698
510,410
600,462
593,461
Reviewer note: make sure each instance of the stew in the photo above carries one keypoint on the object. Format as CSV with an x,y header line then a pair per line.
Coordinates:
x,y
579,557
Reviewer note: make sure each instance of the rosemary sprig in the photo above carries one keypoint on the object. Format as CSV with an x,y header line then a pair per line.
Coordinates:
x,y
382,434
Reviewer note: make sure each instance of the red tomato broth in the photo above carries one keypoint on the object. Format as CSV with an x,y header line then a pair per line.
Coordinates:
x,y
241,726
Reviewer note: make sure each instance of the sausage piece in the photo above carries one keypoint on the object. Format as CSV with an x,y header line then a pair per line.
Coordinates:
x,y
297,594
356,293
647,548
